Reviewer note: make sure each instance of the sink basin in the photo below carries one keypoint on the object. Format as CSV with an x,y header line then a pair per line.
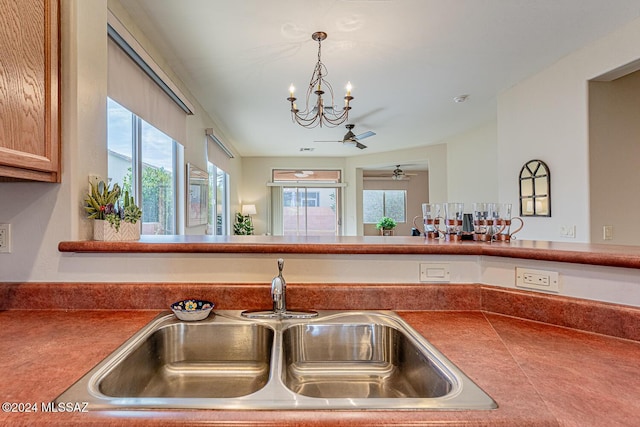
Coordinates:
x,y
337,360
193,360
358,361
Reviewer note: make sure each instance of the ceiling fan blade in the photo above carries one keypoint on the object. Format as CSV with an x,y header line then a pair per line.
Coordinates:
x,y
365,135
328,141
360,146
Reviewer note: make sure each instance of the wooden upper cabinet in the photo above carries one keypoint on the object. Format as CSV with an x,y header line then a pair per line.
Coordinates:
x,y
29,90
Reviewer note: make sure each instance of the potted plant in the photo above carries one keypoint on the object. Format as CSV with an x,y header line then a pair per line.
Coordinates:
x,y
243,225
115,218
386,226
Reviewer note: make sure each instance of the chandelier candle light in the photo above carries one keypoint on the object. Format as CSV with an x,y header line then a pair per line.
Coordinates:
x,y
318,114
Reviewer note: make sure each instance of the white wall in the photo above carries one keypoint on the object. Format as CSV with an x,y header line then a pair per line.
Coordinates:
x,y
546,117
472,166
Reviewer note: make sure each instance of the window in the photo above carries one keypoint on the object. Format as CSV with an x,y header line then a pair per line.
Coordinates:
x,y
309,211
379,203
143,160
306,202
308,198
218,201
302,176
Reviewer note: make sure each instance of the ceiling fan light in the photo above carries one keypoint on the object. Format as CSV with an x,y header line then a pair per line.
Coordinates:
x,y
398,174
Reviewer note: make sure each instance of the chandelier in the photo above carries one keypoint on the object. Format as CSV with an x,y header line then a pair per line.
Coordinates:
x,y
315,112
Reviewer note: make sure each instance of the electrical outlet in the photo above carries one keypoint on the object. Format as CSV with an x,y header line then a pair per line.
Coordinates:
x,y
5,238
568,231
432,272
607,232
537,279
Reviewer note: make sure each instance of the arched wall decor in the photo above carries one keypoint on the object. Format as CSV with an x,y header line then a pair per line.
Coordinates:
x,y
535,189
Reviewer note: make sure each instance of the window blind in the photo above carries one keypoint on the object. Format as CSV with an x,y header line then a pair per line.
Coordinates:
x,y
216,154
132,87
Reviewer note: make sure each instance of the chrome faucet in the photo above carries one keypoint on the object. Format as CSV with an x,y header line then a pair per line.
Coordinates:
x,y
279,290
279,297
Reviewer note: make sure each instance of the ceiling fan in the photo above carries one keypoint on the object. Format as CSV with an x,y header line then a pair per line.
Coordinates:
x,y
353,139
398,174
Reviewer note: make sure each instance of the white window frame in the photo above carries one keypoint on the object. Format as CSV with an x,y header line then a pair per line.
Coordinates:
x,y
384,206
226,215
136,168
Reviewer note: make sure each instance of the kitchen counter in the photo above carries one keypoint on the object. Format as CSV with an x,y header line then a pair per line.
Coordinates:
x,y
539,374
581,253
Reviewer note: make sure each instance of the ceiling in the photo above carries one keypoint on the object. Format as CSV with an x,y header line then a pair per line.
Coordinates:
x,y
406,60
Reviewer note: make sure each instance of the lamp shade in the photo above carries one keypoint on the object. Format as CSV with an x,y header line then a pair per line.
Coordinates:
x,y
249,210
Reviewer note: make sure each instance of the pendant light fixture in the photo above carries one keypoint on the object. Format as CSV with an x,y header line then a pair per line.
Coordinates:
x,y
316,113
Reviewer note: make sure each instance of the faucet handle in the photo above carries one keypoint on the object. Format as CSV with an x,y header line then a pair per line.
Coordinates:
x,y
280,265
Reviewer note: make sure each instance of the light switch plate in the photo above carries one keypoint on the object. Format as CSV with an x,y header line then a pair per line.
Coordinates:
x,y
5,238
568,231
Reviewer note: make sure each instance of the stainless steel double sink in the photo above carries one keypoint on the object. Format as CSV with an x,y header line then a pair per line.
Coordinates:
x,y
338,360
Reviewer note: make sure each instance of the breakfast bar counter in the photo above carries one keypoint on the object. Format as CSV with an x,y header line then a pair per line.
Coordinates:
x,y
581,253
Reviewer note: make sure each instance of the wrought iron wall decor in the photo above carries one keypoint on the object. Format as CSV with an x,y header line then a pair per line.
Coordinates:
x,y
535,189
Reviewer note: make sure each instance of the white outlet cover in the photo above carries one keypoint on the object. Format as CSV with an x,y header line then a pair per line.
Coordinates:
x,y
551,282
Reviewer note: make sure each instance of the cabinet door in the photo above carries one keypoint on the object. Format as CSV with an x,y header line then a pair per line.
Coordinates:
x,y
29,94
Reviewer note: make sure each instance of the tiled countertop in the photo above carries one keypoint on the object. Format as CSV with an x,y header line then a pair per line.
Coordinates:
x,y
582,253
538,373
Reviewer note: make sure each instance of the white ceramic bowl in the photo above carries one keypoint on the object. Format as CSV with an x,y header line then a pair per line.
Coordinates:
x,y
191,310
